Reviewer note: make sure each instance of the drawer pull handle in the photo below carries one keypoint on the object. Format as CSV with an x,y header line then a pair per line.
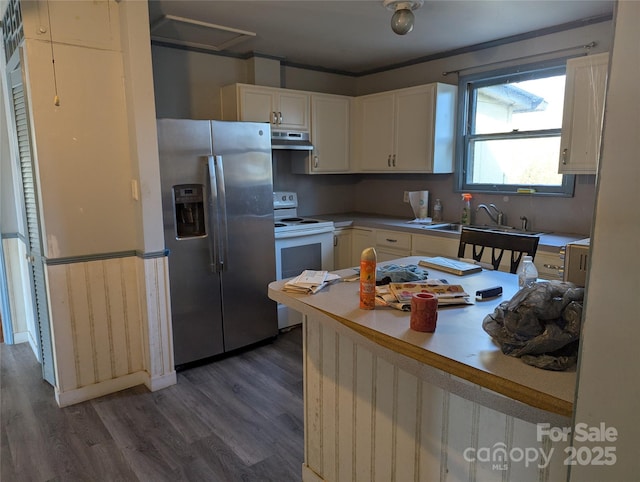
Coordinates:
x,y
392,240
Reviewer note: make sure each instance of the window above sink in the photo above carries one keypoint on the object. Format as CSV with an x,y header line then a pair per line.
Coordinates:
x,y
509,131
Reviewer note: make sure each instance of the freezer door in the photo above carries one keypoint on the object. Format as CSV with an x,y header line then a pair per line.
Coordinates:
x,y
184,147
243,151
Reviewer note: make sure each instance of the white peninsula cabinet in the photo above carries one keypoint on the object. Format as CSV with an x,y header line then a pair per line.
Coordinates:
x,y
407,130
584,98
330,136
282,108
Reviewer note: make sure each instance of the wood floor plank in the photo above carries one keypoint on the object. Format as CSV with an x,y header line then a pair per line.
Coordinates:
x,y
239,418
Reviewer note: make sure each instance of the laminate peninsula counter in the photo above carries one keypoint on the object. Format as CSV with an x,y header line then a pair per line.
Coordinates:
x,y
381,398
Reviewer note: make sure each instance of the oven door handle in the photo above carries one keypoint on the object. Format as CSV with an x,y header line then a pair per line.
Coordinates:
x,y
302,234
218,214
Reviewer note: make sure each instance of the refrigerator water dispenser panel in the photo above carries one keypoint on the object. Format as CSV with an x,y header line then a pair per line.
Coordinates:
x,y
189,210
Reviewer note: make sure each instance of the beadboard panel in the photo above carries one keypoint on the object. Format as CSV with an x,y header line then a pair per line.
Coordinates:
x,y
153,279
102,322
369,418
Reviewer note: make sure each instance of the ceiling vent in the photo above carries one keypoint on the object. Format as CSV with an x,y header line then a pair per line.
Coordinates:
x,y
194,33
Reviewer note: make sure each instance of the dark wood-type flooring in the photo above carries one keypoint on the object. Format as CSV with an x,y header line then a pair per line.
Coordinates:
x,y
236,419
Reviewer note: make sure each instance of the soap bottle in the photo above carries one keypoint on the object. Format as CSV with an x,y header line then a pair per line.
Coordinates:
x,y
368,260
466,209
527,273
437,211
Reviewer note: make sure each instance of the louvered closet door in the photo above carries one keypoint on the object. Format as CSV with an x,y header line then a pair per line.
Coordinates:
x,y
33,231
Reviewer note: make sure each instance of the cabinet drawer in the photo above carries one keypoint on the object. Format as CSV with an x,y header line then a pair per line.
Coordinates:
x,y
393,239
435,246
550,266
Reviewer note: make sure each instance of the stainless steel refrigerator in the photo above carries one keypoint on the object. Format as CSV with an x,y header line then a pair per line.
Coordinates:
x,y
217,202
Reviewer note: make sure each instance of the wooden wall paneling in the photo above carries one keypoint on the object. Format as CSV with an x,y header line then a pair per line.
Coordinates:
x,y
493,433
313,396
364,413
155,316
117,309
76,282
61,318
407,426
345,420
383,429
132,317
432,452
328,403
99,319
458,430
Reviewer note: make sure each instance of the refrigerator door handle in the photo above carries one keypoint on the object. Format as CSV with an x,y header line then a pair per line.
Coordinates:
x,y
213,216
223,241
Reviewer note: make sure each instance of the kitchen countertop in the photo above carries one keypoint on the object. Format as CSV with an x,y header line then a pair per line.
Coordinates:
x,y
459,346
548,241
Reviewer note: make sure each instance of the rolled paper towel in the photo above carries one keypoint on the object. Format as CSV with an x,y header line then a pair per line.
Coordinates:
x,y
419,201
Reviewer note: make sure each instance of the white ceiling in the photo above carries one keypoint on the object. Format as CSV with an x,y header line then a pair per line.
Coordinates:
x,y
355,36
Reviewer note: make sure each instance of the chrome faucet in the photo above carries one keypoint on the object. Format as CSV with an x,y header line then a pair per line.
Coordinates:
x,y
498,218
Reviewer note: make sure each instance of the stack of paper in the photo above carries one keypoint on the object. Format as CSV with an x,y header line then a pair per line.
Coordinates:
x,y
310,281
398,295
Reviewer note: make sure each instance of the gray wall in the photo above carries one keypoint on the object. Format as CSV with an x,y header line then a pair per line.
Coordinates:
x,y
187,85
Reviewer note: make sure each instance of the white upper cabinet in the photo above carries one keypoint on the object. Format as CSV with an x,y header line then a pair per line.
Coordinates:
x,y
282,108
584,96
330,136
407,130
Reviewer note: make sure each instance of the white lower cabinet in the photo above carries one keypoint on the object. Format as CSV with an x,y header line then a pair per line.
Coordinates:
x,y
392,245
550,265
342,242
423,245
350,242
360,239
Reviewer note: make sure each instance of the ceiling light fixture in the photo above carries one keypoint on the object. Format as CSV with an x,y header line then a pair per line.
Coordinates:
x,y
402,18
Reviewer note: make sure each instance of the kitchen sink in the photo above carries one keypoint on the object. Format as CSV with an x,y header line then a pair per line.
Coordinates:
x,y
456,227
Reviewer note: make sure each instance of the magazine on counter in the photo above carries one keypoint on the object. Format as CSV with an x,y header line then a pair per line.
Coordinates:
x,y
447,294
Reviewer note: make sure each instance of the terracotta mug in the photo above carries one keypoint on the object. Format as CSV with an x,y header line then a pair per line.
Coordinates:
x,y
424,312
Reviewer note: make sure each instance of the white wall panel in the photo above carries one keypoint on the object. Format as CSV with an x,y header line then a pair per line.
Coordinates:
x,y
371,416
99,324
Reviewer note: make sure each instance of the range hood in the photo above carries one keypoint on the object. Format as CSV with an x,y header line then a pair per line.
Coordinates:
x,y
291,140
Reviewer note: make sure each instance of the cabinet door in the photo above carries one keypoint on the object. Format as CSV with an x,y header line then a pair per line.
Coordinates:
x,y
376,114
257,105
360,240
292,110
584,97
342,249
330,117
414,129
424,245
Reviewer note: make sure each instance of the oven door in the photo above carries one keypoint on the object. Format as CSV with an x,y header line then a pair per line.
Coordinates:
x,y
300,250
295,252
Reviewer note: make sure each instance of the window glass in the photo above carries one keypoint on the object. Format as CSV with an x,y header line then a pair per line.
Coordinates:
x,y
510,131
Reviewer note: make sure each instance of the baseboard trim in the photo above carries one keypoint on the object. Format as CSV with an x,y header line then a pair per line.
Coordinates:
x,y
309,475
71,397
164,381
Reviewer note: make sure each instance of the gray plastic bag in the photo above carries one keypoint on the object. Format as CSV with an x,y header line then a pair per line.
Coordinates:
x,y
541,324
